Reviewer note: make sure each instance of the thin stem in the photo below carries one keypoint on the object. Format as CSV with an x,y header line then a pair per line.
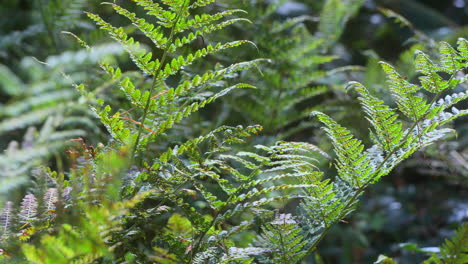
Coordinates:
x,y
155,79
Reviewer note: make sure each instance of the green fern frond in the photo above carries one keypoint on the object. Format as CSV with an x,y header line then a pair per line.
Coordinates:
x,y
411,105
388,131
295,76
358,168
454,250
162,106
353,163
334,16
284,240
139,56
201,3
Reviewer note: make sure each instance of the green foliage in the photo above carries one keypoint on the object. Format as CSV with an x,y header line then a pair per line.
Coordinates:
x,y
202,200
59,213
446,160
284,239
427,116
359,168
39,26
454,250
68,246
295,77
334,16
161,106
48,101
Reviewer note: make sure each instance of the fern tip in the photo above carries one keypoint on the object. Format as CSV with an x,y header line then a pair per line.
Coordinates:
x,y
316,113
351,85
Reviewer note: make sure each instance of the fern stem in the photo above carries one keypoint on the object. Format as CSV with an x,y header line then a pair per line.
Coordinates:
x,y
155,79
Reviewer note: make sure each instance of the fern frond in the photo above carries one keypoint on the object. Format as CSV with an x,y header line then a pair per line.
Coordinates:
x,y
322,205
6,220
29,208
165,17
180,62
194,107
201,21
454,250
353,163
358,168
334,16
284,239
50,198
183,40
139,56
411,105
296,76
388,131
162,105
201,3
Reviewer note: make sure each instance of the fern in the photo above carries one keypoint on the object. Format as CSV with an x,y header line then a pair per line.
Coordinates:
x,y
46,102
7,220
127,202
68,246
295,77
283,239
359,168
28,211
157,109
444,159
243,189
85,205
37,211
327,202
334,16
454,250
161,106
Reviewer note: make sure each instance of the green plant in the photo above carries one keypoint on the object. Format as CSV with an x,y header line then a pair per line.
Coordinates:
x,y
38,29
162,106
297,76
45,100
452,251
360,168
194,200
71,221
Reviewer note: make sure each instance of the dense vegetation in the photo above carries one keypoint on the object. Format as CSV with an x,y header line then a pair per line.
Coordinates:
x,y
202,131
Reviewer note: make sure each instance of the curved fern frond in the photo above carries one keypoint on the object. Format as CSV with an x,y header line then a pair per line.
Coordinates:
x,y
358,168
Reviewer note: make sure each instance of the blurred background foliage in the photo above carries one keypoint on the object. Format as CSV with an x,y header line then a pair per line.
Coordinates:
x,y
422,202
